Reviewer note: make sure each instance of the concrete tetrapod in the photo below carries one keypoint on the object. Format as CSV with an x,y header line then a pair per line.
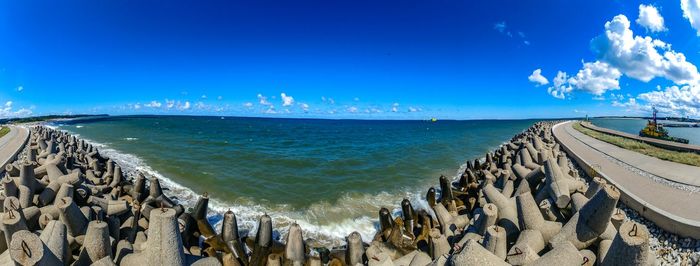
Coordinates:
x,y
55,236
27,249
25,196
589,257
488,217
603,248
294,250
96,244
72,217
530,217
229,233
630,246
164,243
263,241
449,224
592,221
618,218
593,187
557,184
526,248
438,245
495,241
507,213
563,255
474,254
12,222
356,250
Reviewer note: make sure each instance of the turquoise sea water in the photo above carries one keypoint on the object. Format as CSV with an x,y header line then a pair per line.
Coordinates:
x,y
331,176
633,126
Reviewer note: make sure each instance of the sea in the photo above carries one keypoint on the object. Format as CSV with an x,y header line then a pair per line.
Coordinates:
x,y
634,125
329,176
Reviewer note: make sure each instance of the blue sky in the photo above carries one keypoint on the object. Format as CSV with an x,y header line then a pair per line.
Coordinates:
x,y
350,59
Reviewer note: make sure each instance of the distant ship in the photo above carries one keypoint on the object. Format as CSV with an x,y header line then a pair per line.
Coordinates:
x,y
657,131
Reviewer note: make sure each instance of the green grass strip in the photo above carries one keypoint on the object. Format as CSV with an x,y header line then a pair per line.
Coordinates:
x,y
4,131
688,158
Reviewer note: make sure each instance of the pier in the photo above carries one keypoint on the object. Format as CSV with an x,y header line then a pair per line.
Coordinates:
x,y
664,192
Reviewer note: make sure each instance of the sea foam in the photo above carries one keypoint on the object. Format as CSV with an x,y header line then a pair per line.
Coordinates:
x,y
344,214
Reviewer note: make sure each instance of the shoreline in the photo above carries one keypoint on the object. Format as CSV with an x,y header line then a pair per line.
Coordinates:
x,y
451,222
326,234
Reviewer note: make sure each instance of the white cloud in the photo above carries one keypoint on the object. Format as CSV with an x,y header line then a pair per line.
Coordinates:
x,y
270,110
620,52
263,100
691,11
304,106
356,99
675,100
619,97
185,106
641,58
395,107
7,112
20,88
596,78
352,109
537,78
153,104
327,100
286,99
500,26
561,88
650,18
204,96
630,105
169,103
414,109
248,104
201,106
137,106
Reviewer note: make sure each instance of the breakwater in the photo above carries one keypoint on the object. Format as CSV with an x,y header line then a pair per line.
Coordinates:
x,y
523,204
330,176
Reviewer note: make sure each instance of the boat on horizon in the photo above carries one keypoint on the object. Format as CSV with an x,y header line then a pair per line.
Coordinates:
x,y
657,131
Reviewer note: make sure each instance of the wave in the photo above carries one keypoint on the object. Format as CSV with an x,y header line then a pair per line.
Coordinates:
x,y
131,139
327,223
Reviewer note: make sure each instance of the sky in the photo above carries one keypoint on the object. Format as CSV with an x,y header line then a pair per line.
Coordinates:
x,y
362,59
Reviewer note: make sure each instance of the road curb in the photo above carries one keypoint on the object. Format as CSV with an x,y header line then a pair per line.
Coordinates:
x,y
665,220
15,153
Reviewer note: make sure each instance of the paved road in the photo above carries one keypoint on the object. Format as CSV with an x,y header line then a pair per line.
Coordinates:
x,y
654,200
681,173
11,143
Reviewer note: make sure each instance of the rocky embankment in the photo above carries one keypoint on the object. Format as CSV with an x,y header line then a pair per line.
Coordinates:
x,y
64,203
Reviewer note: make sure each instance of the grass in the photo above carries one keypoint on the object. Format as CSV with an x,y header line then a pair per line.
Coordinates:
x,y
4,131
688,158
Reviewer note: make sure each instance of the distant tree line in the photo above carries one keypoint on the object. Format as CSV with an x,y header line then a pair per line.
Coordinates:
x,y
42,118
